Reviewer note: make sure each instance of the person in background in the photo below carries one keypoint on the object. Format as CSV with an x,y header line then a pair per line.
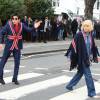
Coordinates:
x,y
46,30
25,21
74,27
30,25
97,29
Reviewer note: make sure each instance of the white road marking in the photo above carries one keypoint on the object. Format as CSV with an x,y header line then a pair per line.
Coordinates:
x,y
69,71
41,68
23,76
21,66
24,90
97,74
7,71
78,94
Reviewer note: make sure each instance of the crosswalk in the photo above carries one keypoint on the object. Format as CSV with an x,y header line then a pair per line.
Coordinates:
x,y
78,94
7,71
22,91
23,77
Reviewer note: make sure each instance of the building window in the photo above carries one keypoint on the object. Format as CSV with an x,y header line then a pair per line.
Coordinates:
x,y
54,4
58,4
98,4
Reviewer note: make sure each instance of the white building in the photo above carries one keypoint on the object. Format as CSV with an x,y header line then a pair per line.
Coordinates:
x,y
63,5
76,6
81,7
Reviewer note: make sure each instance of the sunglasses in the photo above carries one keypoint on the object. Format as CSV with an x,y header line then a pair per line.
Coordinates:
x,y
14,18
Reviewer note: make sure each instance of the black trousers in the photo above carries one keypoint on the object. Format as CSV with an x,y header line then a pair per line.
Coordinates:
x,y
6,55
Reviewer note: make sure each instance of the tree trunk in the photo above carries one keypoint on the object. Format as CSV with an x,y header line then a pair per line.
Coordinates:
x,y
89,4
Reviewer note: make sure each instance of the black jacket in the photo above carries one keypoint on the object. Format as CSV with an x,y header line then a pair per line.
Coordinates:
x,y
78,52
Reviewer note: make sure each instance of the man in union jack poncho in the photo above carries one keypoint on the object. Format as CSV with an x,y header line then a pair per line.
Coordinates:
x,y
81,52
13,44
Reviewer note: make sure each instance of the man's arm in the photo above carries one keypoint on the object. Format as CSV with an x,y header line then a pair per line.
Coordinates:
x,y
3,31
1,47
35,26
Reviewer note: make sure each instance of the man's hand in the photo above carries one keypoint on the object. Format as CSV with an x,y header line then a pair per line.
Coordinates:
x,y
1,47
37,24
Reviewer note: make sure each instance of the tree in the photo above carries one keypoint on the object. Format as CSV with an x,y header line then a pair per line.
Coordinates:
x,y
8,7
39,8
89,5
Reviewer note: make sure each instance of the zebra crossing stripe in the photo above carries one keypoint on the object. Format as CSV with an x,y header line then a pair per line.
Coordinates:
x,y
24,90
78,94
23,76
21,66
7,71
76,71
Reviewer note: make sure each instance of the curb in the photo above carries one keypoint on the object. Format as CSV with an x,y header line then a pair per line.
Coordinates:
x,y
34,53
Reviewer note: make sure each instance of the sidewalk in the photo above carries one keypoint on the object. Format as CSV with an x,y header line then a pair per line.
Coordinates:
x,y
38,48
51,46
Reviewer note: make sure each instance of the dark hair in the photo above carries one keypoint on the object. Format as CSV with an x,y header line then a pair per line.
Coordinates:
x,y
15,14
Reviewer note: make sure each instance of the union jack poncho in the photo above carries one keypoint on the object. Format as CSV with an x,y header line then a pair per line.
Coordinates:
x,y
15,37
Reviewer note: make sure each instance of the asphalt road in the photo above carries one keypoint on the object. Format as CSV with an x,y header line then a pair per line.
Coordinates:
x,y
44,77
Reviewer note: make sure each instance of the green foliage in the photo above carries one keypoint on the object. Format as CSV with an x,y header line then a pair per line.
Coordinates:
x,y
33,8
8,7
39,8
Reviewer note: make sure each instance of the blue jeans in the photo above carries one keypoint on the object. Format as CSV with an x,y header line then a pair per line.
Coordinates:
x,y
88,78
60,34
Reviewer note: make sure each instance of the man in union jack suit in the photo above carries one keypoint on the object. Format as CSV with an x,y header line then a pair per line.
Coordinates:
x,y
14,29
81,52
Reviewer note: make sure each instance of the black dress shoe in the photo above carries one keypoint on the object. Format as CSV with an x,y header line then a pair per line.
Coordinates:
x,y
45,41
69,88
2,81
15,82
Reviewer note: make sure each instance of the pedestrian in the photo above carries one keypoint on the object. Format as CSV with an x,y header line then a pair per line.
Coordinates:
x,y
25,21
41,31
30,24
81,51
97,29
13,44
46,30
74,27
